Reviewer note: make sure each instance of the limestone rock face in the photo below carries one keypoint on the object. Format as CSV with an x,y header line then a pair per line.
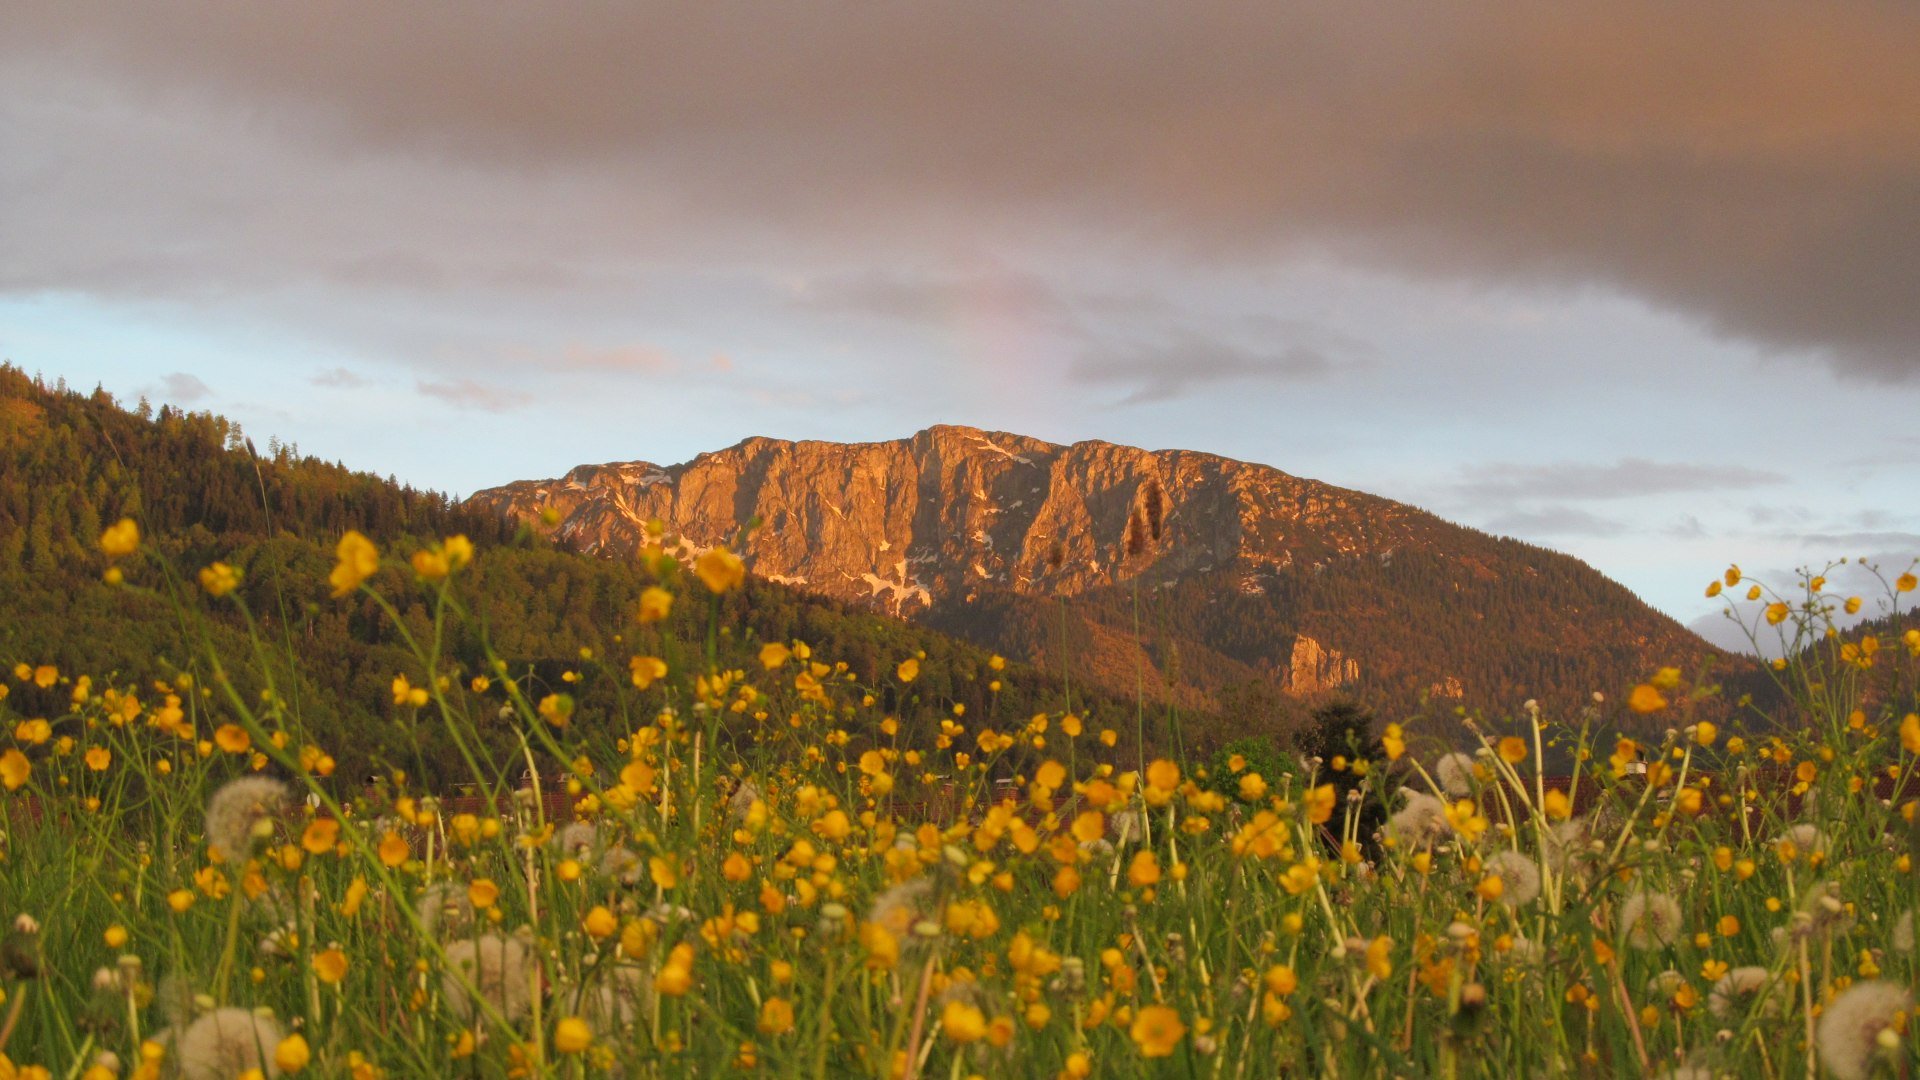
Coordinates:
x,y
1315,669
953,511
1183,575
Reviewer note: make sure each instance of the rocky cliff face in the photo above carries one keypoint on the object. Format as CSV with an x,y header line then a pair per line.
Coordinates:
x,y
953,511
1254,574
1315,669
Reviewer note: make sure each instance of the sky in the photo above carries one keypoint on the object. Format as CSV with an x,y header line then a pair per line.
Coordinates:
x,y
1638,281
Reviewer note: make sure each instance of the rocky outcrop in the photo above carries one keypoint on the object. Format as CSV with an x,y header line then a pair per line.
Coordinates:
x,y
1315,669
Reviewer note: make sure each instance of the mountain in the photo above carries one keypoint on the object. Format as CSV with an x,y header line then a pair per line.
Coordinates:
x,y
1207,581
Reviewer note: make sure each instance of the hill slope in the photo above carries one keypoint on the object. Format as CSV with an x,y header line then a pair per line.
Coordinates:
x,y
1245,576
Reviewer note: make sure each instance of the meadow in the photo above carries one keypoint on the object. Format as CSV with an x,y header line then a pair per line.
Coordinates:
x,y
764,870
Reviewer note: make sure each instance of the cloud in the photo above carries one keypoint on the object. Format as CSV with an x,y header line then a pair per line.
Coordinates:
x,y
1754,166
1185,360
644,359
1840,543
468,394
338,378
923,300
1625,479
183,388
1555,521
1687,527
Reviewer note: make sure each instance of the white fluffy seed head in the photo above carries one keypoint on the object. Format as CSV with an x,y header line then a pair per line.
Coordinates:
x,y
1851,1029
445,910
497,969
1454,773
1651,920
1737,991
239,808
1519,878
1422,821
226,1043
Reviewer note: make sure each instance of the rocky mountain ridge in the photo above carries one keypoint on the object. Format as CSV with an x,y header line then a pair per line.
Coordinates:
x,y
979,531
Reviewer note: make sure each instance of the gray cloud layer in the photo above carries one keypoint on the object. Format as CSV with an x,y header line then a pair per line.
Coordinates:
x,y
1630,478
1755,165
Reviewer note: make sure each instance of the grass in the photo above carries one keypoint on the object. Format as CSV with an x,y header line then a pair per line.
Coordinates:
x,y
757,870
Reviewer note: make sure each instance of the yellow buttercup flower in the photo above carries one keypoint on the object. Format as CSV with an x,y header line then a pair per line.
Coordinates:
x,y
219,579
655,604
557,709
963,1023
358,560
572,1035
776,1016
14,769
330,966
458,551
1157,1031
393,850
293,1054
431,564
646,670
320,836
720,570
1646,699
121,539
600,922
1394,742
405,693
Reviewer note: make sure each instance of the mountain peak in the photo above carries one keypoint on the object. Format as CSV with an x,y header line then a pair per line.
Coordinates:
x,y
962,526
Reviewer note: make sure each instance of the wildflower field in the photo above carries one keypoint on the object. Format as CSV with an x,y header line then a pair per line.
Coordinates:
x,y
763,870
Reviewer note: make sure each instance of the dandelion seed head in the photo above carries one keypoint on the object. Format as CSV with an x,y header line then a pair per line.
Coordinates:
x,y
497,968
238,807
1737,991
1651,920
1422,821
619,863
445,910
227,1042
1519,878
1849,1031
1807,838
577,839
1454,773
1666,983
742,801
899,908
